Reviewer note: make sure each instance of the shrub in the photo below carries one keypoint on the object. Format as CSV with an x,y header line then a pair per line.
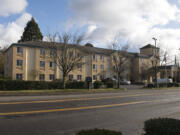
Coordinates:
x,y
150,85
162,126
138,83
176,84
97,84
75,85
166,84
98,132
109,82
28,85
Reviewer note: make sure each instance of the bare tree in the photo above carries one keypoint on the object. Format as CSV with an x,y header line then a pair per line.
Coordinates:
x,y
2,55
66,54
119,60
145,72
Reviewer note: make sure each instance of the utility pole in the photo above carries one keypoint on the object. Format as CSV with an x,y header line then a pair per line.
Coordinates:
x,y
155,56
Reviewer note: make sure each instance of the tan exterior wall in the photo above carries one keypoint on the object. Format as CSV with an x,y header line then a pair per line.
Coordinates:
x,y
149,51
87,68
8,63
46,70
19,69
31,65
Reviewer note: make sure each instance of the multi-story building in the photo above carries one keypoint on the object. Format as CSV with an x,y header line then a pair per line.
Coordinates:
x,y
33,61
169,71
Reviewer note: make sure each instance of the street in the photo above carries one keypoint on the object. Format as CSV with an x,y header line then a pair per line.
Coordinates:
x,y
66,114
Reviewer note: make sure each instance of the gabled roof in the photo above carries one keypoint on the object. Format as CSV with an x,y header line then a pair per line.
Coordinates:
x,y
148,46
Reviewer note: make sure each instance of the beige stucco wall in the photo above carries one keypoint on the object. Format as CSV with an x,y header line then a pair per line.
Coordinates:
x,y
149,51
16,69
8,63
31,65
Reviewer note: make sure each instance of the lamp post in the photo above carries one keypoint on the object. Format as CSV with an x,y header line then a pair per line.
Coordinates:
x,y
155,56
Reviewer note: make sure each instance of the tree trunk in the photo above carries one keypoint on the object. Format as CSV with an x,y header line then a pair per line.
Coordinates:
x,y
64,81
118,85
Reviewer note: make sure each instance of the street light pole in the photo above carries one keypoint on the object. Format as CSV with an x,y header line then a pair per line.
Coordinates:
x,y
155,56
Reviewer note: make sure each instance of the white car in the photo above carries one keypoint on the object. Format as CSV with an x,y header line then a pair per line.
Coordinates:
x,y
125,82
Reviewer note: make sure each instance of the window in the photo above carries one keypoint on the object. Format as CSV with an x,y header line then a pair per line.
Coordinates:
x,y
102,77
152,63
19,76
94,77
102,67
114,58
79,55
41,77
51,53
70,77
51,64
102,57
19,50
79,65
19,62
51,77
42,52
95,57
141,60
70,54
79,77
42,64
94,66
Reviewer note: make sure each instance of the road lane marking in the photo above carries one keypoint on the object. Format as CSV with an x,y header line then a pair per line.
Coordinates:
x,y
79,99
75,99
72,109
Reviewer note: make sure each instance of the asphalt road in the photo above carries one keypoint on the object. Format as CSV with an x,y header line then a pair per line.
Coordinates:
x,y
66,114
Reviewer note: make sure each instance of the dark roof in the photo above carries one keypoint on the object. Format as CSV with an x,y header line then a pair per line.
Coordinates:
x,y
86,49
166,67
148,46
139,55
43,44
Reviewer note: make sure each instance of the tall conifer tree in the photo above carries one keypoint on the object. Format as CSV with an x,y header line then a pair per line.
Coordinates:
x,y
31,32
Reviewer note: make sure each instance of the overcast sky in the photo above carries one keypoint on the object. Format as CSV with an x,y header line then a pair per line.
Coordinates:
x,y
135,21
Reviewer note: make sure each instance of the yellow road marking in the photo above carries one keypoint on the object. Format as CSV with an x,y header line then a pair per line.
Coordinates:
x,y
75,99
79,99
71,109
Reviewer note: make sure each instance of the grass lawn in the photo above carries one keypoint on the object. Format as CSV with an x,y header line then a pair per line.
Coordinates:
x,y
54,91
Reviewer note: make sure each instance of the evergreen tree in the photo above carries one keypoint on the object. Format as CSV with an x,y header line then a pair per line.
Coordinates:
x,y
31,32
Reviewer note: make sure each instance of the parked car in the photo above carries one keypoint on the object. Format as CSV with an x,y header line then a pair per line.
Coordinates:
x,y
125,82
164,80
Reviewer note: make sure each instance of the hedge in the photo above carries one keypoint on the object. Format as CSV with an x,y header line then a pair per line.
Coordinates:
x,y
162,126
152,85
38,85
98,132
76,85
97,84
109,82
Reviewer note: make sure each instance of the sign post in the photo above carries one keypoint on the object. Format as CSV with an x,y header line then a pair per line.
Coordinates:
x,y
88,80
